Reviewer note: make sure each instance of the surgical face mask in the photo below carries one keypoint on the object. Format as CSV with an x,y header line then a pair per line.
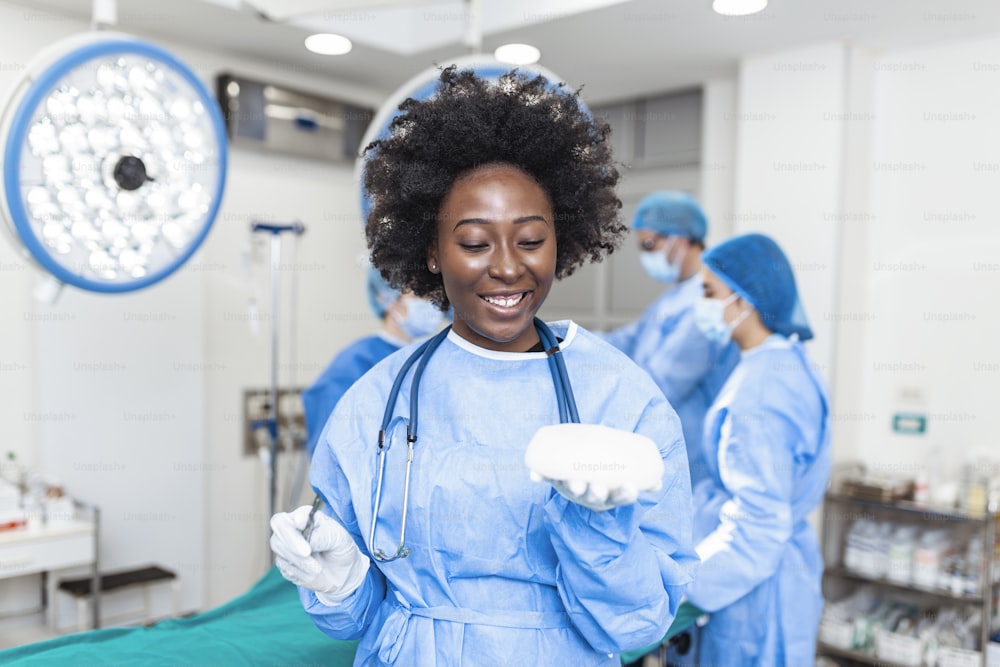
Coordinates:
x,y
656,264
422,318
709,317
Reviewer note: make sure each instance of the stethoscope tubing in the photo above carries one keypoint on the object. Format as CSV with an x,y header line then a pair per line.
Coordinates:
x,y
564,397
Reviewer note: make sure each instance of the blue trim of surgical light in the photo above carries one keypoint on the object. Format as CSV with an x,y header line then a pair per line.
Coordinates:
x,y
38,90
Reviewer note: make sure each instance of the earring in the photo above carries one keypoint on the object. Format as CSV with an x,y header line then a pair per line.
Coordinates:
x,y
434,267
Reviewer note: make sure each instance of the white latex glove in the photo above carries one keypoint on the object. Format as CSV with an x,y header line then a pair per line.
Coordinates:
x,y
593,465
330,563
596,495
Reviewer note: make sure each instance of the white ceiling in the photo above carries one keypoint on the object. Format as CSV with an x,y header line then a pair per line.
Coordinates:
x,y
409,27
616,48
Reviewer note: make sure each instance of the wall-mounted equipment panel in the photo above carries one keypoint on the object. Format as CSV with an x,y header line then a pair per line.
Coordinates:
x,y
271,117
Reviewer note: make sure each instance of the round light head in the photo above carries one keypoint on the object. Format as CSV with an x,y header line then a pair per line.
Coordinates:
x,y
114,162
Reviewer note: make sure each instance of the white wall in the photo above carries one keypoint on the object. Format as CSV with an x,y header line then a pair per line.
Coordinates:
x,y
877,173
133,402
851,318
789,161
718,156
932,264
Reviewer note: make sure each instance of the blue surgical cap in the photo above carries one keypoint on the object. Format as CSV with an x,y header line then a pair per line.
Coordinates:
x,y
380,294
754,267
671,213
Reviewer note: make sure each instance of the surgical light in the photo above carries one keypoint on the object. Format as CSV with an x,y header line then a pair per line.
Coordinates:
x,y
738,7
114,162
517,54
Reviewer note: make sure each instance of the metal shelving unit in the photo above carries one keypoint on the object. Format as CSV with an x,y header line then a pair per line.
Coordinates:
x,y
842,510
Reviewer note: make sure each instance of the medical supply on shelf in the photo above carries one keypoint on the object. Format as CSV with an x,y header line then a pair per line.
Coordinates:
x,y
866,548
936,559
901,631
877,488
58,506
974,485
900,555
928,557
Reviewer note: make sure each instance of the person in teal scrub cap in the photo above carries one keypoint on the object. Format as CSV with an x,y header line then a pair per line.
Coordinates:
x,y
767,447
688,368
404,318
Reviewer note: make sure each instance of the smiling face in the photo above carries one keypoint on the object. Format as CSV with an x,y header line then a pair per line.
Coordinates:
x,y
496,253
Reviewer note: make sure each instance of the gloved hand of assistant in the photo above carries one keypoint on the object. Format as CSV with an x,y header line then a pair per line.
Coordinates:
x,y
330,563
593,465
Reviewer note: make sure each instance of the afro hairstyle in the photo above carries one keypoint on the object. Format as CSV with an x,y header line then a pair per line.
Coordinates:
x,y
524,121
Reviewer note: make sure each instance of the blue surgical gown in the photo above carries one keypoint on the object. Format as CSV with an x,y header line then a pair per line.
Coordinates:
x,y
504,571
687,367
350,364
767,445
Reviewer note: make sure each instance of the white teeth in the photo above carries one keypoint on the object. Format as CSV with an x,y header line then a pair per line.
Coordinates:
x,y
506,302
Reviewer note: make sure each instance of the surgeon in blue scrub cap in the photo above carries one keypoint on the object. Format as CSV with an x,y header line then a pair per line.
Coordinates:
x,y
688,368
404,318
767,446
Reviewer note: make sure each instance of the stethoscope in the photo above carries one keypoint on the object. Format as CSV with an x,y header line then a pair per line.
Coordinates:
x,y
564,396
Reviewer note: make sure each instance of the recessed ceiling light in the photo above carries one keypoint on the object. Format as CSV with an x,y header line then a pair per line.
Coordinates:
x,y
328,44
738,7
517,54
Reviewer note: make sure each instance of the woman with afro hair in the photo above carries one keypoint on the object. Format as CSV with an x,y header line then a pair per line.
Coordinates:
x,y
482,196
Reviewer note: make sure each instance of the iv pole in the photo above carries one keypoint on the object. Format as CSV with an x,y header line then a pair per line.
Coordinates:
x,y
271,423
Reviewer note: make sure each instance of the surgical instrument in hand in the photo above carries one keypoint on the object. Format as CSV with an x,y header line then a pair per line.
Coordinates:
x,y
311,522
